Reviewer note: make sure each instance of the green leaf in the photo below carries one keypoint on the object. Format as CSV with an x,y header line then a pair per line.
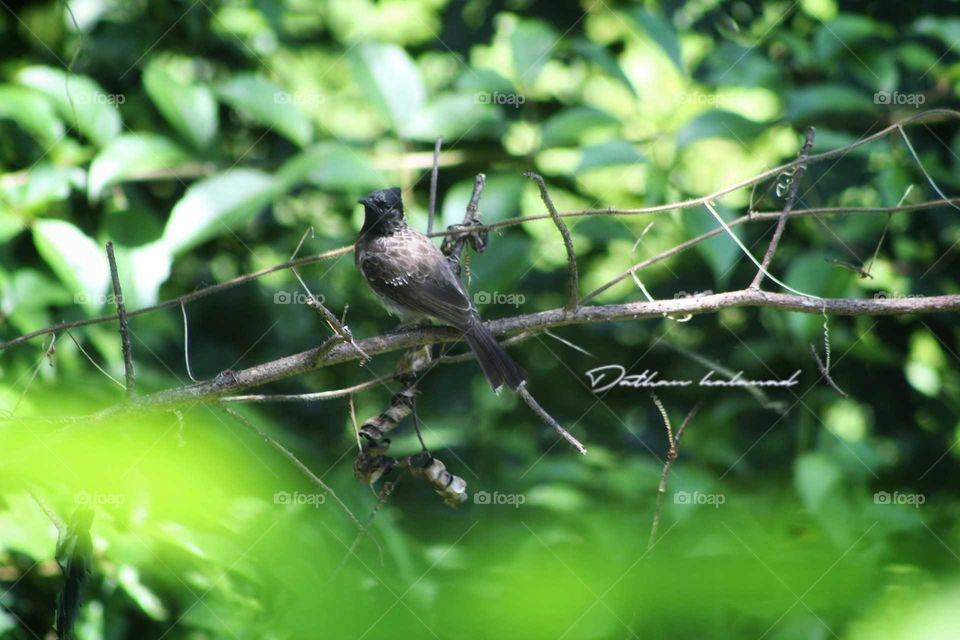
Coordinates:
x,y
86,105
79,262
213,206
719,124
269,105
532,42
662,32
843,34
820,100
605,60
456,117
142,270
191,109
609,154
44,185
330,165
130,155
391,81
566,128
720,252
33,112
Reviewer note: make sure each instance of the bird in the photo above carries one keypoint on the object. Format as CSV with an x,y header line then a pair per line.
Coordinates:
x,y
414,280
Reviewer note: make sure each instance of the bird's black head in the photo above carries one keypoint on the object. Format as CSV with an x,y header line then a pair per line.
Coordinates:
x,y
383,211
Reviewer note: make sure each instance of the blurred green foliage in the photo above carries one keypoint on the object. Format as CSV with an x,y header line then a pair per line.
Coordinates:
x,y
203,138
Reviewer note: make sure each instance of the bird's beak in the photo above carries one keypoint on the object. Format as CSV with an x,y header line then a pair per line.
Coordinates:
x,y
364,201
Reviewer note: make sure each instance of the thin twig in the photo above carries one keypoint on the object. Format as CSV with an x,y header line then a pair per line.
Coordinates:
x,y
826,372
92,361
129,375
548,419
434,175
574,283
801,168
294,460
311,397
672,454
186,342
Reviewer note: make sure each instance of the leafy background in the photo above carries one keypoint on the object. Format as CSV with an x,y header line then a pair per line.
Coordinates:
x,y
204,138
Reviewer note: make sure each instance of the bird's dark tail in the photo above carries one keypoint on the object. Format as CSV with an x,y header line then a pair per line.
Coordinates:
x,y
497,365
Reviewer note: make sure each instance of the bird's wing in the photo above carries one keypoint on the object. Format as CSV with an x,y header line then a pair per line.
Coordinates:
x,y
409,270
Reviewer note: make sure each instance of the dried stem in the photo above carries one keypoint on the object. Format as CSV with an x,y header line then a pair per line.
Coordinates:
x,y
787,208
548,419
573,301
672,453
434,175
129,374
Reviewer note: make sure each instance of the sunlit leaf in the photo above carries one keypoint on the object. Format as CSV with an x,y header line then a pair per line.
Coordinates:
x,y
131,155
269,105
79,262
662,32
80,101
456,117
608,154
532,42
568,126
720,124
216,205
391,81
190,108
32,111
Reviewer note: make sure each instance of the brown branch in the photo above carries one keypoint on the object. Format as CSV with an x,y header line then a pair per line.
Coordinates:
x,y
434,175
787,207
332,352
195,295
548,419
672,455
129,375
574,284
457,236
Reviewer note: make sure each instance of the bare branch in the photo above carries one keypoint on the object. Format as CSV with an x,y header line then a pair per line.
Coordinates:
x,y
332,352
573,301
787,207
434,175
672,454
189,297
548,419
129,375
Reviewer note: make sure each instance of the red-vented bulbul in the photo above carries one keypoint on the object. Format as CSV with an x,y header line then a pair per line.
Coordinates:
x,y
413,278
